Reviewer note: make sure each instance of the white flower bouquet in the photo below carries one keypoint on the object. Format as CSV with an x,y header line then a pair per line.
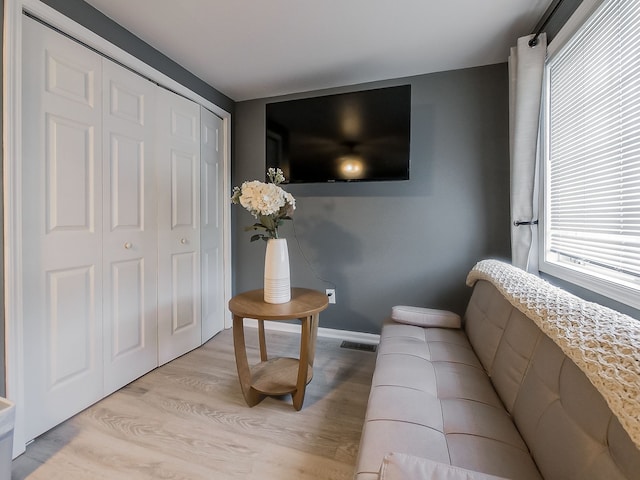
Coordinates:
x,y
267,202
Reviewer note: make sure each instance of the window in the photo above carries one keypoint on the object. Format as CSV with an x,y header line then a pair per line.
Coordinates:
x,y
591,181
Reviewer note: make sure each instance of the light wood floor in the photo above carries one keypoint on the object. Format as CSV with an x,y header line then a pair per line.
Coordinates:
x,y
188,420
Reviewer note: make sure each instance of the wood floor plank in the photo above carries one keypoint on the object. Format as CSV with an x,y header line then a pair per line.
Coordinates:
x,y
188,420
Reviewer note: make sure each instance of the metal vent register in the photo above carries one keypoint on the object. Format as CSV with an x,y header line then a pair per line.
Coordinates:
x,y
366,347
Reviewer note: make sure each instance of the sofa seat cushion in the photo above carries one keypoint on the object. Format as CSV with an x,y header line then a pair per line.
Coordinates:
x,y
396,403
392,329
386,436
492,456
468,417
430,397
434,344
455,380
406,371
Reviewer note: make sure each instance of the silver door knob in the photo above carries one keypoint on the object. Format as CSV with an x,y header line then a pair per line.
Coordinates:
x,y
183,241
128,245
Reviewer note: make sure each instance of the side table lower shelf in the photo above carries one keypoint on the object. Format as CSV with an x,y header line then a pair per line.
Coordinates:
x,y
277,376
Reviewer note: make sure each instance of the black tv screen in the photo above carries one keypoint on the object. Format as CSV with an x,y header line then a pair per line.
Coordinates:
x,y
349,137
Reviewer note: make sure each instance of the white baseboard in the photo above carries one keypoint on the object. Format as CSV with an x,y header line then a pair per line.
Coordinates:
x,y
358,337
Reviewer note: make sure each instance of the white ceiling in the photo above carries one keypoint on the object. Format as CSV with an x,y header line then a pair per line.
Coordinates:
x,y
262,48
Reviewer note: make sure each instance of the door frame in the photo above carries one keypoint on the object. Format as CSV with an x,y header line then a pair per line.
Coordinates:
x,y
12,180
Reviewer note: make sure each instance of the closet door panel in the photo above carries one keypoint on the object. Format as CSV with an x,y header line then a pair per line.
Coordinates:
x,y
184,191
211,194
179,284
70,302
130,227
128,296
69,168
184,272
61,227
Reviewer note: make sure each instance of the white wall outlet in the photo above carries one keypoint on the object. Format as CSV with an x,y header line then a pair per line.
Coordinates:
x,y
331,293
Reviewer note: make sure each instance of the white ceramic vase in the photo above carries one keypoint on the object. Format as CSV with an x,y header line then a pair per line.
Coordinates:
x,y
277,284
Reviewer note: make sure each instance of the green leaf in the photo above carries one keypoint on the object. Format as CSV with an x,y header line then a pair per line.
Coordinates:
x,y
255,226
268,222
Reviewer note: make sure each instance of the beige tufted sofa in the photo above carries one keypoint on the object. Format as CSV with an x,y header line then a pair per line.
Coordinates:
x,y
496,398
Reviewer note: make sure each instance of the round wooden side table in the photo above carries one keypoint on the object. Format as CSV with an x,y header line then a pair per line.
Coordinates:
x,y
278,376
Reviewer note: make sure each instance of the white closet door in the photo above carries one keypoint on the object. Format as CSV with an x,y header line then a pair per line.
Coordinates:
x,y
178,167
130,227
62,227
211,195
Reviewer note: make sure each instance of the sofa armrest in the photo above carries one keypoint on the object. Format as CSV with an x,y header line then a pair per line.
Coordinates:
x,y
400,466
425,317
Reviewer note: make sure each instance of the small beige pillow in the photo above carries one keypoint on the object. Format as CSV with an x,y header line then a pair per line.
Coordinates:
x,y
399,466
425,317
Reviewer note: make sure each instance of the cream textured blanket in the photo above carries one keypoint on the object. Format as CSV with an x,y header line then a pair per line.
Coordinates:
x,y
603,343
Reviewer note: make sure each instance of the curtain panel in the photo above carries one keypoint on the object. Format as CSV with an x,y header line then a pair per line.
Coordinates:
x,y
526,67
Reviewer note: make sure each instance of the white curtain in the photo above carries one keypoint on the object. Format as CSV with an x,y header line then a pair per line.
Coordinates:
x,y
526,66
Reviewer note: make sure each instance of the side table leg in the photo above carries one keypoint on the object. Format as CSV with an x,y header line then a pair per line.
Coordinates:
x,y
244,372
303,368
314,336
263,342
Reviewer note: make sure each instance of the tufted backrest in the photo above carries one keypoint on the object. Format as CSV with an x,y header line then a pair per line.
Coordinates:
x,y
568,427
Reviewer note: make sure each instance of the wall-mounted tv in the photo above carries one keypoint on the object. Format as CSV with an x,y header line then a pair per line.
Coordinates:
x,y
348,137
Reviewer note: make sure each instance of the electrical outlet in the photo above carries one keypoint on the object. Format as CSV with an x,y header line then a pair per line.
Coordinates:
x,y
331,293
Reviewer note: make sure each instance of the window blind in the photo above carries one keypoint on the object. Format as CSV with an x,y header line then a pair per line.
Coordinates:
x,y
593,134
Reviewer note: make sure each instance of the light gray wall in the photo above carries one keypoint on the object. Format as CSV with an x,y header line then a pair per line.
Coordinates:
x,y
390,243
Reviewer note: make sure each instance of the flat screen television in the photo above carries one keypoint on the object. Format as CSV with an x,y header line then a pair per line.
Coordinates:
x,y
349,137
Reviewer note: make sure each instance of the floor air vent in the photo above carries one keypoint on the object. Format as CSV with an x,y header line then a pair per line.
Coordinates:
x,y
366,347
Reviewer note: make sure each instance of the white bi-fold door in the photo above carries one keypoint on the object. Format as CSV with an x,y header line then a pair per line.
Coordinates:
x,y
89,226
62,220
130,232
178,168
111,216
211,243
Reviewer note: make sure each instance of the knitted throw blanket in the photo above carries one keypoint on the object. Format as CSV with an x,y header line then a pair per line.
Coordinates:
x,y
603,343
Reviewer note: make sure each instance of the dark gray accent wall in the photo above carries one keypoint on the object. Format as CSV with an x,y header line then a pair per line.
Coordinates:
x,y
97,22
389,243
